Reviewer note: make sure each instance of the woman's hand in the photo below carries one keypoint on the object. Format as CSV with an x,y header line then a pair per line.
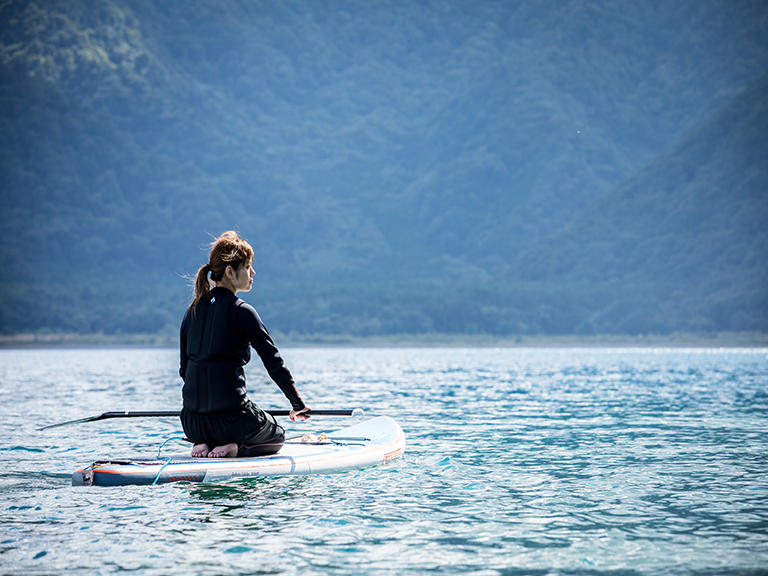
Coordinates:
x,y
300,414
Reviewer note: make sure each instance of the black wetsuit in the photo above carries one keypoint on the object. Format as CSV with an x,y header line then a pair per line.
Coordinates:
x,y
216,342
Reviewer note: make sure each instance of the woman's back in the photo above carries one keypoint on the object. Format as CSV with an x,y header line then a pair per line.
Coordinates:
x,y
213,353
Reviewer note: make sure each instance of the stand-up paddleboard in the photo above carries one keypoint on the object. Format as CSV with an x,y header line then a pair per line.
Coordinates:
x,y
371,442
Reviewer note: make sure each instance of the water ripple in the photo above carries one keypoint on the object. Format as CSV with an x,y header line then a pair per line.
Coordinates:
x,y
637,461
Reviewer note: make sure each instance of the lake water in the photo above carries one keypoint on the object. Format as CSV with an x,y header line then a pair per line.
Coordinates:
x,y
519,461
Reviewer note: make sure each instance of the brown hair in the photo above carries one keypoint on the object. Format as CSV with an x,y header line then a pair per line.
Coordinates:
x,y
227,250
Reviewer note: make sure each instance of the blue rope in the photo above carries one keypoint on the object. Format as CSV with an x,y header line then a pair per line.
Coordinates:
x,y
169,458
166,442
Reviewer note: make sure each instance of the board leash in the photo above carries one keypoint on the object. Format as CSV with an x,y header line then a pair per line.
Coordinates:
x,y
169,459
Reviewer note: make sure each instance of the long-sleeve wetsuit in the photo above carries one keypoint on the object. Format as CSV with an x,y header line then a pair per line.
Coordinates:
x,y
216,340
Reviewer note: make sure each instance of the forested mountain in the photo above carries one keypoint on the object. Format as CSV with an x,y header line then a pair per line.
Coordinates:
x,y
682,243
459,167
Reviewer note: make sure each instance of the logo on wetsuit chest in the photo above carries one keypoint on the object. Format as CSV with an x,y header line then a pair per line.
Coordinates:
x,y
213,299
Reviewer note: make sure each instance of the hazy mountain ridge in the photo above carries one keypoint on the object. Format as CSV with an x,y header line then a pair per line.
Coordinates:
x,y
396,165
708,239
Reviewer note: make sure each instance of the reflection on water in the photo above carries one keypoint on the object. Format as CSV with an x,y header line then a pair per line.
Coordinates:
x,y
518,461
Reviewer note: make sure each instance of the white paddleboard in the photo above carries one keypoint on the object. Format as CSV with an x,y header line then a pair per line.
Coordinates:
x,y
368,443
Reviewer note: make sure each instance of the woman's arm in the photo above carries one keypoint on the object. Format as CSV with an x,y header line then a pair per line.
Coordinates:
x,y
259,338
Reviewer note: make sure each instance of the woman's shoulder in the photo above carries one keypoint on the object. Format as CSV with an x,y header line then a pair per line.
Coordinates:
x,y
249,321
246,309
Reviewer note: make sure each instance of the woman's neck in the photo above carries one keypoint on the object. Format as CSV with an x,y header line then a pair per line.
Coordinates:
x,y
224,284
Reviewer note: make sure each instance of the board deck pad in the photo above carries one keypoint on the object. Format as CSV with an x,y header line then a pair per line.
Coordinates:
x,y
367,443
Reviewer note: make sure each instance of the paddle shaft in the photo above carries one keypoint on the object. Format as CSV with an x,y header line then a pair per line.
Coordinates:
x,y
162,413
175,413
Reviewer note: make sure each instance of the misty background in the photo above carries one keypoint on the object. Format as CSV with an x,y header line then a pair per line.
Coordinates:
x,y
503,168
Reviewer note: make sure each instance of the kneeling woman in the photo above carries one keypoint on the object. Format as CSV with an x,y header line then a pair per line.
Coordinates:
x,y
216,336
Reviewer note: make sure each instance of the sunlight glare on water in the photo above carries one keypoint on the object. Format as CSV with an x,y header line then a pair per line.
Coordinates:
x,y
518,461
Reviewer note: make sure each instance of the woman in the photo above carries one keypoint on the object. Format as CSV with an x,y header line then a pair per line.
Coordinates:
x,y
216,335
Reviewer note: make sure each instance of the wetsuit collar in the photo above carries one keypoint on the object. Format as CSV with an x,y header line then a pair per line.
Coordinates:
x,y
220,291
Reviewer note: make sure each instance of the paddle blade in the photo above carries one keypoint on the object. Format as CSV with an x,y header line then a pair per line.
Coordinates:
x,y
124,414
78,421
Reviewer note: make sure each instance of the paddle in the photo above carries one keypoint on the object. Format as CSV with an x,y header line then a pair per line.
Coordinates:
x,y
171,413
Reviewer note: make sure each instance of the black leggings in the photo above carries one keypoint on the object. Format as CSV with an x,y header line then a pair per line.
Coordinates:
x,y
254,431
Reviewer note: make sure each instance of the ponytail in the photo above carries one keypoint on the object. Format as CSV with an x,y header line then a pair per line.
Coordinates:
x,y
202,286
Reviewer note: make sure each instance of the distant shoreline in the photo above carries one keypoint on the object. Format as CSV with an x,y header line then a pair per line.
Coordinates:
x,y
677,340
